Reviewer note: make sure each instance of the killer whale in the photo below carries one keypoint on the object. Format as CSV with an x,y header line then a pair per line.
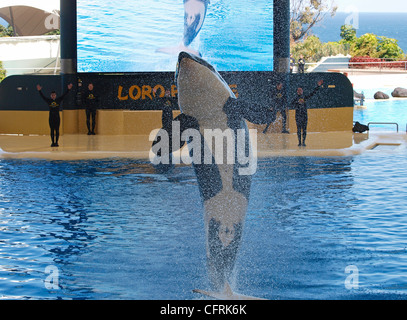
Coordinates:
x,y
195,13
194,17
206,102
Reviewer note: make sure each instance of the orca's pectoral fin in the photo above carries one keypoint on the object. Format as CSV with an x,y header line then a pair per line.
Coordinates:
x,y
253,113
187,122
258,114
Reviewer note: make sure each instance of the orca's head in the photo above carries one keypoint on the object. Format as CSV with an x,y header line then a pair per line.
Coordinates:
x,y
200,86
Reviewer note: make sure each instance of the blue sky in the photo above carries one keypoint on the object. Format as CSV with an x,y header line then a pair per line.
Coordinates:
x,y
3,22
372,5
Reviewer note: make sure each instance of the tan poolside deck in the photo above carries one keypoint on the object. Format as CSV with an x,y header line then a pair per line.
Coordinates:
x,y
78,146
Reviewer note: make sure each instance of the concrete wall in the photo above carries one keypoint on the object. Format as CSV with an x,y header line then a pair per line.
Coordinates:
x,y
127,122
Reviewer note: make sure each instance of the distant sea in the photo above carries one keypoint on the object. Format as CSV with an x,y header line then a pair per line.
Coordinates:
x,y
392,25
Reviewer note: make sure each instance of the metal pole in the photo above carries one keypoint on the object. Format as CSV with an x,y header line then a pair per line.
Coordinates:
x,y
281,48
281,17
68,43
68,36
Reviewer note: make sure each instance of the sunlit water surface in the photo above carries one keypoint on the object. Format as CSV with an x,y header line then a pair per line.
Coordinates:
x,y
113,229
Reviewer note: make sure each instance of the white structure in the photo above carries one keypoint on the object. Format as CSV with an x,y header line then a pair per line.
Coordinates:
x,y
31,17
30,51
35,54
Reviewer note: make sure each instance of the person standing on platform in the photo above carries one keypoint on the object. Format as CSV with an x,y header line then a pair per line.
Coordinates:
x,y
167,115
301,112
301,64
91,102
167,103
280,102
54,104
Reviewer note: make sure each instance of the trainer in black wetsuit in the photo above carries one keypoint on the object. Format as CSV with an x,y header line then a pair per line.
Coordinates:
x,y
167,103
91,102
167,115
301,112
54,105
301,65
280,102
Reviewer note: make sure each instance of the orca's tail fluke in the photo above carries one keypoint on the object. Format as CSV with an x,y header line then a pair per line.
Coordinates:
x,y
221,256
227,290
226,294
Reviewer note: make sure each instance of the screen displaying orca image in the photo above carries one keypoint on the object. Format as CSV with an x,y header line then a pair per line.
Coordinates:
x,y
147,35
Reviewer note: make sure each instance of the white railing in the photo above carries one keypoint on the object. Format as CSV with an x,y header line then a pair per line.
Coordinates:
x,y
379,64
36,70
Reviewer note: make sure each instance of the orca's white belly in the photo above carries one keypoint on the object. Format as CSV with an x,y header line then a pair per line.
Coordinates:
x,y
228,207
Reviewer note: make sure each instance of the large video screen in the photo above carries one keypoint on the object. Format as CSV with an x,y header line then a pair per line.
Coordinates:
x,y
147,35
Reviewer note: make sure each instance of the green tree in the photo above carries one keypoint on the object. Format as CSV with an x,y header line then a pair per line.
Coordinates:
x,y
365,46
305,14
53,32
388,48
6,32
313,49
2,72
309,49
371,45
348,33
335,48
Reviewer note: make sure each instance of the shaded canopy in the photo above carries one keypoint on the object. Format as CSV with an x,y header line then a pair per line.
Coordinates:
x,y
30,17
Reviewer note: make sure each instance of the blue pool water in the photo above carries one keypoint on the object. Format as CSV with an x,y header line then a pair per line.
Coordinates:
x,y
113,229
390,111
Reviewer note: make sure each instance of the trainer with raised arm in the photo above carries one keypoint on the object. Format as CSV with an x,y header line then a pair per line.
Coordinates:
x,y
301,112
54,104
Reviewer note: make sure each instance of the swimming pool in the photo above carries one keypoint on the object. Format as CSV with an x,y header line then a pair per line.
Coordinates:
x,y
113,229
392,110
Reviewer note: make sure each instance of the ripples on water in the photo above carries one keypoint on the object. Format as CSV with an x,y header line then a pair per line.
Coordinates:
x,y
123,36
322,215
116,230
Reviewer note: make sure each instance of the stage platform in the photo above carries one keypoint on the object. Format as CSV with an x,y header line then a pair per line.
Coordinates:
x,y
80,146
